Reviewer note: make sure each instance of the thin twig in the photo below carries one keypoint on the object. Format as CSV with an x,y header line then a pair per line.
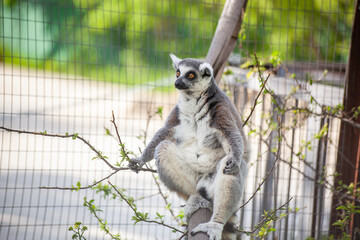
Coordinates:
x,y
260,76
264,220
297,170
326,114
119,138
137,214
342,117
299,157
165,199
101,221
81,188
268,173
148,196
255,102
147,169
98,153
184,235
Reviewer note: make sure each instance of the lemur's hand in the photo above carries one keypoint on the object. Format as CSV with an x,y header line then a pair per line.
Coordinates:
x,y
232,166
135,164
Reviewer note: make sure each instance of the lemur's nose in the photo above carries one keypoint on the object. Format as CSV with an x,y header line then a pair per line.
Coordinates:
x,y
179,84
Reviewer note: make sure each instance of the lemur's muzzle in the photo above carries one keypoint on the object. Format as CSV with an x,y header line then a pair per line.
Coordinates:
x,y
179,84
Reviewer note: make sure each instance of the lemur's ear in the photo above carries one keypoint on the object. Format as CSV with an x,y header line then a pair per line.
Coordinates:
x,y
175,60
206,69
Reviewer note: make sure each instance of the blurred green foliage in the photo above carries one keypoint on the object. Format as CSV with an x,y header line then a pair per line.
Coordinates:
x,y
128,41
300,30
114,40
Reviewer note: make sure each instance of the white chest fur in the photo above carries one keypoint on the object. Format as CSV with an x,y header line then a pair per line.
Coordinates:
x,y
194,136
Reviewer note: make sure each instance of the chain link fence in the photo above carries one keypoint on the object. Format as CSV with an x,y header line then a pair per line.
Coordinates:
x,y
65,66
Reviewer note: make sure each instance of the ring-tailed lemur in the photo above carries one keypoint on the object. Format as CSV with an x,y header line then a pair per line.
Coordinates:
x,y
201,153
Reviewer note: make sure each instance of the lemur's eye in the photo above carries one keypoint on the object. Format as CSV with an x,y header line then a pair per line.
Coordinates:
x,y
191,75
177,73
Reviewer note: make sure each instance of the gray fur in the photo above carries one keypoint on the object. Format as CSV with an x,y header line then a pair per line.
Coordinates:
x,y
212,141
164,133
202,151
191,62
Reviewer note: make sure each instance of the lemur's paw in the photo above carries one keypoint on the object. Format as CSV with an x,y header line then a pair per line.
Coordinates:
x,y
232,167
194,203
135,164
212,229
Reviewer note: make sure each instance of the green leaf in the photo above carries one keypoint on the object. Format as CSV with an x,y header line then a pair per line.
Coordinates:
x,y
342,208
322,132
337,223
159,111
75,136
78,186
228,72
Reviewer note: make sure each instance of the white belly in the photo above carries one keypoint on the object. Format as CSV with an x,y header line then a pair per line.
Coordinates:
x,y
191,138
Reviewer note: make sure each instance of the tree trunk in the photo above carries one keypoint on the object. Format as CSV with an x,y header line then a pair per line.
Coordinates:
x,y
226,35
200,216
349,147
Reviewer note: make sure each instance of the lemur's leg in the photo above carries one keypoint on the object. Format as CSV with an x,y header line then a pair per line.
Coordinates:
x,y
172,170
227,193
229,232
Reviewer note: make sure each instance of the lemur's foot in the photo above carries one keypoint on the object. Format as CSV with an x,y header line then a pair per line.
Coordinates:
x,y
194,203
212,229
135,164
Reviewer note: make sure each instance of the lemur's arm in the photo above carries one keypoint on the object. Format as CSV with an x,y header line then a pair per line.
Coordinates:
x,y
233,142
165,132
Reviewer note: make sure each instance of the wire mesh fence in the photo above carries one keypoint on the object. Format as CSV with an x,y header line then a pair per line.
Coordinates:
x,y
65,66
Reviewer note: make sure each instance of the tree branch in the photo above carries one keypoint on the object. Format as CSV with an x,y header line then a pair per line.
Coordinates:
x,y
264,220
182,236
138,215
118,137
165,199
82,188
73,136
76,136
268,173
255,102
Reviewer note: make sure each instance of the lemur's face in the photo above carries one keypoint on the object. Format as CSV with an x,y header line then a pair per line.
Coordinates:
x,y
192,75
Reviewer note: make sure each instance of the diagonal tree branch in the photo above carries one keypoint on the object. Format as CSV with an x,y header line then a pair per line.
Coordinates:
x,y
264,220
138,215
86,142
73,136
255,102
268,173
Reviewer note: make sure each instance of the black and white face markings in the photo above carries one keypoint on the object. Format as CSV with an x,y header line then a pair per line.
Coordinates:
x,y
185,81
191,73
